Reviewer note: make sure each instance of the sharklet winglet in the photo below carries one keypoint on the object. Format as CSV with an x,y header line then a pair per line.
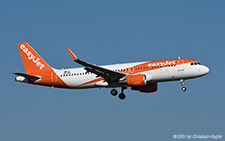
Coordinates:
x,y
73,56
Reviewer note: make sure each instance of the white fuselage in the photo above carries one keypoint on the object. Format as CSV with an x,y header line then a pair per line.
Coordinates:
x,y
79,78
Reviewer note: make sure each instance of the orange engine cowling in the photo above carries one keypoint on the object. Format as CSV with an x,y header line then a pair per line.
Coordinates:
x,y
134,80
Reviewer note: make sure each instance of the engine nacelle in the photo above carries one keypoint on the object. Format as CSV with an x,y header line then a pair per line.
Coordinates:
x,y
134,80
149,88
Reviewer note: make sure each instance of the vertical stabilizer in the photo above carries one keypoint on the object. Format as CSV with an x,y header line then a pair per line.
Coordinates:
x,y
38,71
33,63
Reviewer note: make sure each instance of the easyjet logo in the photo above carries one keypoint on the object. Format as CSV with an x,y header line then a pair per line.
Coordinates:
x,y
162,63
31,57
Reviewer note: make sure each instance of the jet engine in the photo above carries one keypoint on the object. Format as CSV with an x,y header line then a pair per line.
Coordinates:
x,y
136,80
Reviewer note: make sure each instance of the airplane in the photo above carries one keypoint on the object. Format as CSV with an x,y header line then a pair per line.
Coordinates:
x,y
139,76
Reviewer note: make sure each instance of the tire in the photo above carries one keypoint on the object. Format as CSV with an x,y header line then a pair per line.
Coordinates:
x,y
114,92
122,96
184,89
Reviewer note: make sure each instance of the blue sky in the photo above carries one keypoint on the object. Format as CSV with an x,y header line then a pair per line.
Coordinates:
x,y
108,32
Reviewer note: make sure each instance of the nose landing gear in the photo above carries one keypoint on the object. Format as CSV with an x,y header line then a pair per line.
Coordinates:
x,y
182,83
184,89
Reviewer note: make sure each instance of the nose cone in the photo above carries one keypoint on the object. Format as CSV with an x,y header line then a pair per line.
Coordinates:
x,y
205,70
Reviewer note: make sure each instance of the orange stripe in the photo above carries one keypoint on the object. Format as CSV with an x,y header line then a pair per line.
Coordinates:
x,y
155,64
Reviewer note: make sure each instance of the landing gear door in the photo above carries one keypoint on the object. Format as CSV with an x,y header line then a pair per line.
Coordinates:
x,y
180,65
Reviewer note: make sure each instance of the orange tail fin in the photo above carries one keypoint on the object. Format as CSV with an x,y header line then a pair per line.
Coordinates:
x,y
32,61
38,71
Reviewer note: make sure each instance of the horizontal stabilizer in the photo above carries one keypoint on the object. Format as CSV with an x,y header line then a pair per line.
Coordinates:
x,y
28,77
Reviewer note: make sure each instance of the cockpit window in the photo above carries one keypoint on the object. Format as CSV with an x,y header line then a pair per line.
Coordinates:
x,y
195,63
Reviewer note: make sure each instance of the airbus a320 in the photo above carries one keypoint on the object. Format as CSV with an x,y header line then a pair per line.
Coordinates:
x,y
139,76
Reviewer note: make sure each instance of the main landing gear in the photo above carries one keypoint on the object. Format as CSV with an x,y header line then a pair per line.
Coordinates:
x,y
114,92
182,83
122,96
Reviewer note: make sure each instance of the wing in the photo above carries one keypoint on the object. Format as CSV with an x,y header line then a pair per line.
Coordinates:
x,y
108,75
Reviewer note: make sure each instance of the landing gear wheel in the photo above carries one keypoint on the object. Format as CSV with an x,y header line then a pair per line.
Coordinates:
x,y
122,96
184,89
114,92
182,83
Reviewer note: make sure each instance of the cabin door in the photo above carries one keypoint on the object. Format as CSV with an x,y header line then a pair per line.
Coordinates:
x,y
53,77
180,65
